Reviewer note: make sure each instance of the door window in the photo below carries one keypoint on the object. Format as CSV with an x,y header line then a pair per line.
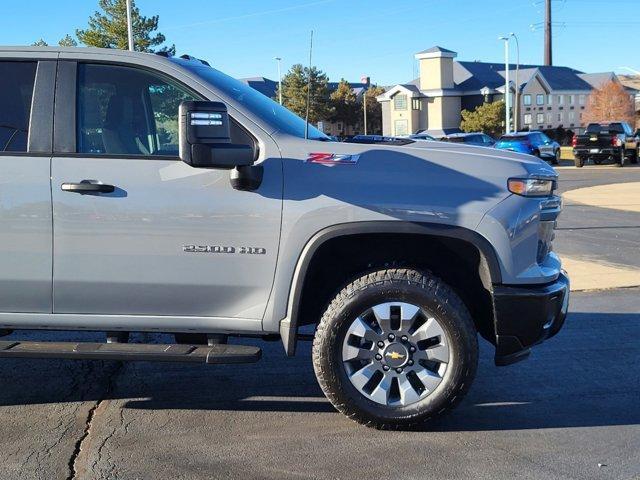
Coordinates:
x,y
16,92
127,111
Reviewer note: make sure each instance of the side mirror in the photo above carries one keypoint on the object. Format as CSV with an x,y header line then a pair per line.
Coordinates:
x,y
205,141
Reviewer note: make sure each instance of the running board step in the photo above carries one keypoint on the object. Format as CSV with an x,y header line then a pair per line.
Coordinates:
x,y
145,352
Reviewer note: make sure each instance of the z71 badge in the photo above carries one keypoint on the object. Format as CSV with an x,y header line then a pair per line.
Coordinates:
x,y
224,249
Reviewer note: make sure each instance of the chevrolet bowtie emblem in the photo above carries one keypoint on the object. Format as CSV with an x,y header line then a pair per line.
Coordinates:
x,y
394,355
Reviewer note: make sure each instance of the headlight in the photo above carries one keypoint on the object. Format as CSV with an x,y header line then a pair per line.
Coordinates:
x,y
531,187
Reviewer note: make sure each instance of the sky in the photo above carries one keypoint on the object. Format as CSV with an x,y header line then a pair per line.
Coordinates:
x,y
353,38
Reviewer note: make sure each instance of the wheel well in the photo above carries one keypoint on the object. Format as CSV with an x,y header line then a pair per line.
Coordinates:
x,y
457,262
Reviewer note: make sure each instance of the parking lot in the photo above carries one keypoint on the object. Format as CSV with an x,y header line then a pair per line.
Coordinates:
x,y
571,411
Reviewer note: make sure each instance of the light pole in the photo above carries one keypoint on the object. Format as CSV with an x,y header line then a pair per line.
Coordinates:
x,y
516,107
278,59
129,26
507,93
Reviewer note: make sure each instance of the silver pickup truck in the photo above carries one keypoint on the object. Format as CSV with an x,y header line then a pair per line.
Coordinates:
x,y
141,193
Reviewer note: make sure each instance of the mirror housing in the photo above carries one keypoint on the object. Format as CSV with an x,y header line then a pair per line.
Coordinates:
x,y
205,139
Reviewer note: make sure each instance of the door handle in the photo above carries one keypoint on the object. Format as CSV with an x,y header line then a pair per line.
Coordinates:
x,y
87,186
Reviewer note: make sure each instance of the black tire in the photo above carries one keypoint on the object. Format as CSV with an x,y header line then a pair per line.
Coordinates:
x,y
579,162
556,157
422,289
634,157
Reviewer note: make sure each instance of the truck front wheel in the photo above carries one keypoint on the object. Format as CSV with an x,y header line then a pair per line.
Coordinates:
x,y
395,348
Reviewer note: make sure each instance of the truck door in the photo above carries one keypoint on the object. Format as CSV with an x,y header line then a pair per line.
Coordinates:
x,y
170,239
26,118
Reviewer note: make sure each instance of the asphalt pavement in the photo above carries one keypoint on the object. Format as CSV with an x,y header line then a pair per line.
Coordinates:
x,y
571,411
602,234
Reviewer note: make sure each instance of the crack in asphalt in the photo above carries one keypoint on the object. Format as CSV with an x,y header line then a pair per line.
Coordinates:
x,y
93,411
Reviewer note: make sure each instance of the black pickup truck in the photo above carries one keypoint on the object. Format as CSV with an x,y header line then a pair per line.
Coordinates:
x,y
614,141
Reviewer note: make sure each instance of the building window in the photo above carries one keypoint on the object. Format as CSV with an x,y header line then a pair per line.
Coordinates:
x,y
581,99
560,117
527,119
400,102
549,99
549,117
572,99
539,99
526,99
560,99
572,116
401,127
416,104
540,118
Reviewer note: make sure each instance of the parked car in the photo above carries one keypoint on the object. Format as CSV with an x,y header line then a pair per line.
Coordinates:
x,y
478,139
533,143
369,139
142,193
422,136
614,141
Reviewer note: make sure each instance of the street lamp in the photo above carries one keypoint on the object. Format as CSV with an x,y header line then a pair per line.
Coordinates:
x,y
507,93
278,59
516,120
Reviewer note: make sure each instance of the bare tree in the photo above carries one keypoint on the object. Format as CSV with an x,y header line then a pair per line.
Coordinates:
x,y
610,102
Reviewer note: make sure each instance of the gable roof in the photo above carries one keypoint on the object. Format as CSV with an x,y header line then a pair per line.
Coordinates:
x,y
596,80
436,49
563,78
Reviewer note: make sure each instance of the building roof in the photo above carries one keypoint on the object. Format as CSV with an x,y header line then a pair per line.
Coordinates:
x,y
471,77
596,80
436,49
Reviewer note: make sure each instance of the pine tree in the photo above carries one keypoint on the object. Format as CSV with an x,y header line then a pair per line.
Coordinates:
x,y
294,93
109,29
344,104
40,43
68,41
374,110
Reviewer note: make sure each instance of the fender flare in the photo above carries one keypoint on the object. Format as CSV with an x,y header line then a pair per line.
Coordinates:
x,y
289,325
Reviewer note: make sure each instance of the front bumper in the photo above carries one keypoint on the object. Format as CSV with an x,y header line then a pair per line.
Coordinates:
x,y
528,315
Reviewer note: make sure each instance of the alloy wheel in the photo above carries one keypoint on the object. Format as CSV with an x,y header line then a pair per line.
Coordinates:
x,y
395,354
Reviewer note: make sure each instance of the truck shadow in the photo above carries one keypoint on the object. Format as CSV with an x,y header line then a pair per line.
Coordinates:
x,y
589,375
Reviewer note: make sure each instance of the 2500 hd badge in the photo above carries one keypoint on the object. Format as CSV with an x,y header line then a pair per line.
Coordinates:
x,y
224,249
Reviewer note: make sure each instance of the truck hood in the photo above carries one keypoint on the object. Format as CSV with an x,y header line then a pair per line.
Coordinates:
x,y
483,163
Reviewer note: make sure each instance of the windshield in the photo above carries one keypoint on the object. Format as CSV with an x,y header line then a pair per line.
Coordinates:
x,y
282,119
611,128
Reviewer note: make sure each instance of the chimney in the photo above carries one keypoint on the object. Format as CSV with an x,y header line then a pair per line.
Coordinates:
x,y
436,68
548,60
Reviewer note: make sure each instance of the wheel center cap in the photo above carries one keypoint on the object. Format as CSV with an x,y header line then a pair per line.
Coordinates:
x,y
395,355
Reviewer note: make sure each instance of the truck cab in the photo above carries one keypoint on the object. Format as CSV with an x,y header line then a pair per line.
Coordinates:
x,y
145,193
